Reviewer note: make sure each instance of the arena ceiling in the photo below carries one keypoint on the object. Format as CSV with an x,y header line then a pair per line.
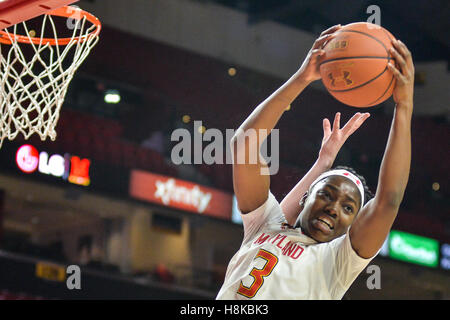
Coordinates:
x,y
422,24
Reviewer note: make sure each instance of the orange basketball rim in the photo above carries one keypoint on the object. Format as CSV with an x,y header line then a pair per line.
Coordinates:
x,y
64,12
35,84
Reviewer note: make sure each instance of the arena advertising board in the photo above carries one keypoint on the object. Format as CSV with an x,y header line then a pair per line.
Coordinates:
x,y
445,256
67,167
413,248
180,194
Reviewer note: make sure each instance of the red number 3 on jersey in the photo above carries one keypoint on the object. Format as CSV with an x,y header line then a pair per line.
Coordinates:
x,y
259,274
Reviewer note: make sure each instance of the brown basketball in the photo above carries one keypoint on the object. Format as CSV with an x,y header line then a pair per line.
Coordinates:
x,y
354,66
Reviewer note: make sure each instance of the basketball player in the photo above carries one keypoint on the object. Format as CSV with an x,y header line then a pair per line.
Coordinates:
x,y
315,242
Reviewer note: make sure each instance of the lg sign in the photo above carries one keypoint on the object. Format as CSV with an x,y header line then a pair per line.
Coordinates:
x,y
27,158
70,168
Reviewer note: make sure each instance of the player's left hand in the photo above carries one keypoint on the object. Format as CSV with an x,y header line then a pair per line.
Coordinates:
x,y
404,73
334,138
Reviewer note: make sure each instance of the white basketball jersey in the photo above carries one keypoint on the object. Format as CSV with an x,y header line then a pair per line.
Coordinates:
x,y
277,262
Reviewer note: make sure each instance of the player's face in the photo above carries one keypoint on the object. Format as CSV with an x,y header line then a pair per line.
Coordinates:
x,y
330,209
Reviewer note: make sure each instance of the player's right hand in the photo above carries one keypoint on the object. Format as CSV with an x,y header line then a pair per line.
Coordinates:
x,y
334,138
309,70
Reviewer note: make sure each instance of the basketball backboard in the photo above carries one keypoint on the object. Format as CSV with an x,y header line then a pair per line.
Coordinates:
x,y
15,11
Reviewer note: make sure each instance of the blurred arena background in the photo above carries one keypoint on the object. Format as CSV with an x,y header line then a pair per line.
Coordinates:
x,y
159,66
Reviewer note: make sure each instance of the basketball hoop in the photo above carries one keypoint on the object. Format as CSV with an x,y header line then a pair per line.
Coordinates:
x,y
36,67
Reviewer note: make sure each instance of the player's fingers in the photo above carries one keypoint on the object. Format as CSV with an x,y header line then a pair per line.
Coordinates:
x,y
404,49
319,43
363,117
326,127
399,59
401,48
331,29
317,52
398,76
351,122
337,122
354,123
408,66
396,44
406,54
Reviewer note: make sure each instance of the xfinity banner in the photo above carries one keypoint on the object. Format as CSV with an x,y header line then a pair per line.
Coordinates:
x,y
415,249
180,194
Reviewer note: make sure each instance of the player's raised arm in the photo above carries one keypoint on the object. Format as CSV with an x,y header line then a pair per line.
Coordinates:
x,y
332,141
250,185
372,225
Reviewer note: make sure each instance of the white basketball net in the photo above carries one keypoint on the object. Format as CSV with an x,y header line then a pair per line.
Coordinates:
x,y
32,90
